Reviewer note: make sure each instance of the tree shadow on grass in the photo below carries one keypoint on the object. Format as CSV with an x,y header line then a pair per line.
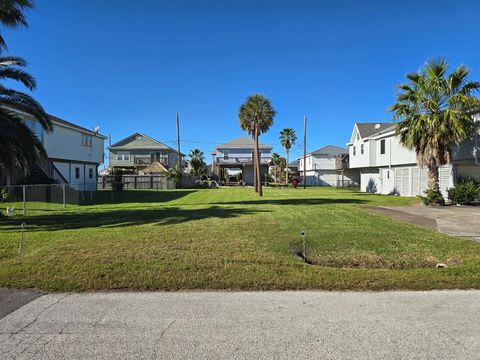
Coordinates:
x,y
297,201
122,218
134,196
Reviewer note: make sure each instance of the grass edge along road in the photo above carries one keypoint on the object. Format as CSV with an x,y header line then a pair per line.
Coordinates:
x,y
231,239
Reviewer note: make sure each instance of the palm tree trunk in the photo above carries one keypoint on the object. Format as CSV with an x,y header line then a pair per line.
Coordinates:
x,y
254,169
433,178
257,154
286,169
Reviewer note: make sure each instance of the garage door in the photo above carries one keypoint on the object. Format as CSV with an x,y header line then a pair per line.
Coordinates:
x,y
402,176
419,181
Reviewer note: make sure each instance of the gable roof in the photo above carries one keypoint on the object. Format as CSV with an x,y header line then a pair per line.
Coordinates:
x,y
242,142
368,129
294,163
57,120
149,144
330,150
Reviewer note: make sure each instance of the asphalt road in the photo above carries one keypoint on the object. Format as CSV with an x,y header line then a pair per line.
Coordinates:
x,y
245,325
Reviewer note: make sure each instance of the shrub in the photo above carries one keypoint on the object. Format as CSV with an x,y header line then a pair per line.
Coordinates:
x,y
433,197
3,195
465,192
175,174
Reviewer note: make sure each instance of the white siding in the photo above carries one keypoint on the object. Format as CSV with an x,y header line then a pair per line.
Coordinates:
x,y
370,181
65,143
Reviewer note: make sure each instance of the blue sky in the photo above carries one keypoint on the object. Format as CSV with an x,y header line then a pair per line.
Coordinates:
x,y
131,65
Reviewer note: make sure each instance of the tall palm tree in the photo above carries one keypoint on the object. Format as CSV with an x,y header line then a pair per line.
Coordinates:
x,y
287,139
274,158
256,116
433,112
19,147
18,144
12,15
197,161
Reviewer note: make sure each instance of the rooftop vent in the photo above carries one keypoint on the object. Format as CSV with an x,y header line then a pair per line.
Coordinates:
x,y
377,126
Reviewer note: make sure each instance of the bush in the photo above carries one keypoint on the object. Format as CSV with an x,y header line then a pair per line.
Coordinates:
x,y
433,197
3,195
465,192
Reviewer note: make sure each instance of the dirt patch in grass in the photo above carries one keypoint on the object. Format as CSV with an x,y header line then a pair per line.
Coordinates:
x,y
369,260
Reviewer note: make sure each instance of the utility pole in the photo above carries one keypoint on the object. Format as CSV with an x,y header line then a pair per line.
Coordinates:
x,y
305,152
179,160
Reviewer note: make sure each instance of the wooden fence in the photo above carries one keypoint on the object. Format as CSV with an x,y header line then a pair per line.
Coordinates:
x,y
132,182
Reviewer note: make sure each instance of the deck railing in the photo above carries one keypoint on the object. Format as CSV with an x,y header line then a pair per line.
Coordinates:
x,y
240,160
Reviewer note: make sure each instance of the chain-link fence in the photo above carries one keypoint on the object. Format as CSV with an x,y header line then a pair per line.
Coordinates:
x,y
23,199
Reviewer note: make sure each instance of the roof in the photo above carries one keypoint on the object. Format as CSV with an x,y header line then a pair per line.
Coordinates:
x,y
330,150
294,163
154,168
147,143
58,120
242,142
78,127
368,129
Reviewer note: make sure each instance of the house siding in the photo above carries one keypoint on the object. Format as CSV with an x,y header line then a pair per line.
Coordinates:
x,y
396,171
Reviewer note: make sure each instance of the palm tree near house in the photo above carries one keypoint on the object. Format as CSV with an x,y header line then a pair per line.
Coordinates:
x,y
287,139
274,160
197,160
12,15
256,116
19,147
433,112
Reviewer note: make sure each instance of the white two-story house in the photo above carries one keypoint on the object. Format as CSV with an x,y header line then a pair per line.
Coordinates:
x,y
328,166
74,154
387,167
237,156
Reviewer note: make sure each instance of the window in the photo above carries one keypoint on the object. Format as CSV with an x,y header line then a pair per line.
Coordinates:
x,y
361,149
382,146
86,140
90,173
38,131
225,154
160,157
388,174
35,127
123,156
354,151
77,173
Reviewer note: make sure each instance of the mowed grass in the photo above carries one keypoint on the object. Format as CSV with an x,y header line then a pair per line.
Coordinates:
x,y
230,239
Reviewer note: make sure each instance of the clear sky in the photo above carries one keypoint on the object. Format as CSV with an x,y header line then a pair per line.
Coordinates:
x,y
129,66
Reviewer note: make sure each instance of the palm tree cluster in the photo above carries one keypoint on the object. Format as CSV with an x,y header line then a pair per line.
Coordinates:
x,y
256,116
197,161
19,147
279,164
433,112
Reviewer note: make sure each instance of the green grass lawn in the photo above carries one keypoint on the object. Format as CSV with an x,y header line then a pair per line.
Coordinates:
x,y
231,239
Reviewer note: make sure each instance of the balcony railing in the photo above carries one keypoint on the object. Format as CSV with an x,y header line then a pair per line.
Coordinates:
x,y
341,164
240,160
142,161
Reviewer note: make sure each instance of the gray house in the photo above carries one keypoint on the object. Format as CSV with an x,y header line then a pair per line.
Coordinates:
x,y
236,156
137,151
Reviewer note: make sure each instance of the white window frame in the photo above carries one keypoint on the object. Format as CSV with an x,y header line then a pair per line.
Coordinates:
x,y
123,156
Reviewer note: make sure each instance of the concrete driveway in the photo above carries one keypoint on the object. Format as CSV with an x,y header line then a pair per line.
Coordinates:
x,y
452,220
245,325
